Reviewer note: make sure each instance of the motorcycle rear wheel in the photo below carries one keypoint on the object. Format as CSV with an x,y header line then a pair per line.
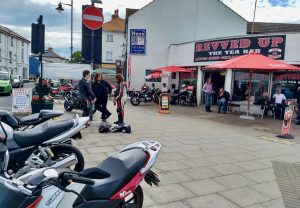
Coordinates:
x,y
136,198
134,101
61,151
67,106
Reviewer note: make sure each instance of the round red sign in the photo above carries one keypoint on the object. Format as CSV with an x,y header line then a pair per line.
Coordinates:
x,y
92,18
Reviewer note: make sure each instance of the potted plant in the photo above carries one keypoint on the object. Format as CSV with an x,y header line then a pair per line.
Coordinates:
x,y
46,103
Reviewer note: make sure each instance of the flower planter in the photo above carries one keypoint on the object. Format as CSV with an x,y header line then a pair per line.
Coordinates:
x,y
37,107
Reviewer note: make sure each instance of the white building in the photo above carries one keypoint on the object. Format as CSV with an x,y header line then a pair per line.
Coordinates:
x,y
14,53
113,41
167,22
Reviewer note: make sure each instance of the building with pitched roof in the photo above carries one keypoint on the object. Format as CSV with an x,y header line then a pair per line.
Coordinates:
x,y
14,53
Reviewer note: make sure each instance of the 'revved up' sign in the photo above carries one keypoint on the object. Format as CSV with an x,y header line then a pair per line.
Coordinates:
x,y
224,49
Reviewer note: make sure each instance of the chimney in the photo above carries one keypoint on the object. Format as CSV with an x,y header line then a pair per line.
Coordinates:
x,y
50,49
116,14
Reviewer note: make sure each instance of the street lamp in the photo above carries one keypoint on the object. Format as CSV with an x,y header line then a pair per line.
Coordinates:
x,y
60,9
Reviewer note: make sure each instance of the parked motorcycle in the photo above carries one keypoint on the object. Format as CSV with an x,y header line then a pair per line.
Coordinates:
x,y
145,97
44,145
73,101
27,121
115,183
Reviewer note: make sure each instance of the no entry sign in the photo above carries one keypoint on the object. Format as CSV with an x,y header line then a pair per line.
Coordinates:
x,y
92,17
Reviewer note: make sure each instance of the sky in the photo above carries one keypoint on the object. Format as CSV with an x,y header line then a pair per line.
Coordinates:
x,y
19,14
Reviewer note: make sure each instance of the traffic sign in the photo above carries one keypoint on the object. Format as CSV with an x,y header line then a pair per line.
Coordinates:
x,y
92,17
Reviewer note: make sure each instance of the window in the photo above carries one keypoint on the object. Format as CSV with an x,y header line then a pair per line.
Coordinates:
x,y
22,54
152,80
287,81
259,84
11,41
22,43
109,56
24,73
110,38
173,75
10,57
0,55
0,37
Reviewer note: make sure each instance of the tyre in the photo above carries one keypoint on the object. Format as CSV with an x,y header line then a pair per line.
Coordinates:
x,y
61,151
128,130
134,100
135,199
67,106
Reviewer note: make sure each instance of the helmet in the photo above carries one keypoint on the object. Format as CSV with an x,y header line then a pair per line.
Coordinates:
x,y
104,127
183,85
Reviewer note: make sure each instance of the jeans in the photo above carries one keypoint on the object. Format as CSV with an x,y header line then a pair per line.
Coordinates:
x,y
282,107
208,97
222,103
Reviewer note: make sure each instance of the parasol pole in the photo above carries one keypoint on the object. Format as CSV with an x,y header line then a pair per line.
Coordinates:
x,y
249,91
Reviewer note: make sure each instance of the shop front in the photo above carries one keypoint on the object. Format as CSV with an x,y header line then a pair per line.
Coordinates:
x,y
282,47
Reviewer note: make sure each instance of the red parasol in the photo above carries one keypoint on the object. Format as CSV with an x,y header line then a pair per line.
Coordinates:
x,y
172,69
251,62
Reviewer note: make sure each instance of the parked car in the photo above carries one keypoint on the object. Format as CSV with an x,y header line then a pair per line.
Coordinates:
x,y
5,83
17,81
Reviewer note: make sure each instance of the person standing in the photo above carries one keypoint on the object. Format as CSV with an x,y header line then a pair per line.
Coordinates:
x,y
280,102
101,89
120,97
208,91
164,88
86,94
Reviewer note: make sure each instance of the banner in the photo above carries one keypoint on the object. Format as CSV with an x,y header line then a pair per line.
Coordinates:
x,y
224,49
21,102
137,41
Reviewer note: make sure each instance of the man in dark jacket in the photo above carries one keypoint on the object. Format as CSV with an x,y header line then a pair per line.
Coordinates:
x,y
86,93
223,98
101,89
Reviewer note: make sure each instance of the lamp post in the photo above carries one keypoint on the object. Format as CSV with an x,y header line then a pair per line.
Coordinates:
x,y
60,9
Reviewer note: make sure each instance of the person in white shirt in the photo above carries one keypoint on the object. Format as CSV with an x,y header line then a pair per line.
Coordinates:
x,y
280,102
164,88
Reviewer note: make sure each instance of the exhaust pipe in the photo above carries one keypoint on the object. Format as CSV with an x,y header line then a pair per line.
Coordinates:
x,y
66,163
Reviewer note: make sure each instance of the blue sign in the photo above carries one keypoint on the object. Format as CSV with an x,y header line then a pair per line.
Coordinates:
x,y
137,41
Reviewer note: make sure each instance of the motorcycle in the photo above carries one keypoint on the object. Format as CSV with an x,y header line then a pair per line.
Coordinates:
x,y
73,101
115,183
146,97
27,121
44,145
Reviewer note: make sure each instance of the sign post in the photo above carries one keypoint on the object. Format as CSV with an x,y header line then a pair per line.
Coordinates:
x,y
21,100
164,104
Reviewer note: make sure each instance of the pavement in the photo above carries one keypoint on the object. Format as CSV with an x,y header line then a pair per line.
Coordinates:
x,y
207,160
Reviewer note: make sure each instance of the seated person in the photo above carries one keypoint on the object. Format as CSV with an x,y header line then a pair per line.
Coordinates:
x,y
153,87
144,87
297,104
183,91
280,102
223,98
266,103
164,88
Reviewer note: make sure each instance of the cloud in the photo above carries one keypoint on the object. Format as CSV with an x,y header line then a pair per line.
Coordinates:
x,y
19,14
282,11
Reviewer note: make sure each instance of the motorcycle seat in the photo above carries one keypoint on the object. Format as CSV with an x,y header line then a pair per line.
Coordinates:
x,y
29,119
38,118
119,169
34,137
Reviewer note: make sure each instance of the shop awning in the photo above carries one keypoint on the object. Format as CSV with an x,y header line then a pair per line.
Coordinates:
x,y
252,61
172,69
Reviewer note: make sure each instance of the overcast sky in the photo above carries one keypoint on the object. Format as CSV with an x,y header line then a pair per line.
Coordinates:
x,y
19,14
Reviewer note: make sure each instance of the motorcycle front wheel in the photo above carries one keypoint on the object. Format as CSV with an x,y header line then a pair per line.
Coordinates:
x,y
62,151
136,198
67,106
134,100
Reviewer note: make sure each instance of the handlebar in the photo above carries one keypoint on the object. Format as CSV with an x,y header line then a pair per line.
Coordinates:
x,y
77,179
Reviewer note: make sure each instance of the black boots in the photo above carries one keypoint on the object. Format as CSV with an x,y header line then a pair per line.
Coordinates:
x,y
207,108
